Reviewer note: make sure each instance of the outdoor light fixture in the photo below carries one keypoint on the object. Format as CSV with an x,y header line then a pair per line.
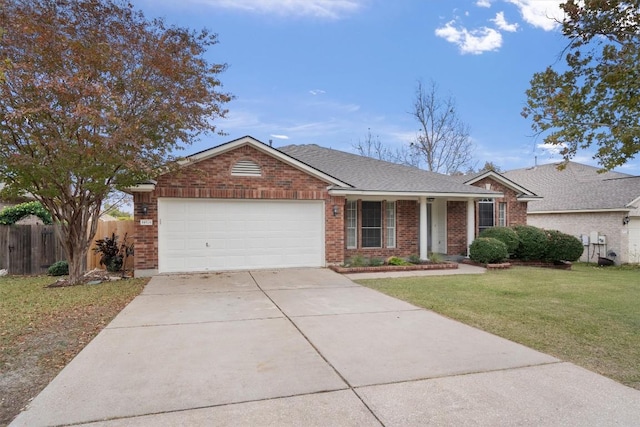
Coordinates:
x,y
144,209
625,220
335,210
430,199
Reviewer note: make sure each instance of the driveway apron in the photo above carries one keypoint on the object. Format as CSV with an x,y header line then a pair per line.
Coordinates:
x,y
310,347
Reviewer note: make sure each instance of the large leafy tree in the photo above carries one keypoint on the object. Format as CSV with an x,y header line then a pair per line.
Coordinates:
x,y
95,96
595,101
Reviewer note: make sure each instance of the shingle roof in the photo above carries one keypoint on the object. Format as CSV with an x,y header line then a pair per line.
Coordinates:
x,y
577,187
369,174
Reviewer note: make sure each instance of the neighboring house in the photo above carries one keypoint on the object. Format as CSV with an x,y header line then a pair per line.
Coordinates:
x,y
245,205
603,209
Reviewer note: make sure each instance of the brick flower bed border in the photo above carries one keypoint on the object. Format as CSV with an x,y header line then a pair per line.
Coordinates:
x,y
385,268
504,265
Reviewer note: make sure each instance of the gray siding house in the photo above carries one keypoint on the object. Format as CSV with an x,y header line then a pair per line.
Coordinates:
x,y
603,209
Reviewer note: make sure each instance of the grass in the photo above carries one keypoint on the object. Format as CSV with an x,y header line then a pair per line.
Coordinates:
x,y
589,315
27,303
42,329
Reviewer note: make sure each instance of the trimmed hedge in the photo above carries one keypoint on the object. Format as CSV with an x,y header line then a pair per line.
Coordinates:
x,y
12,214
488,250
505,235
533,243
562,247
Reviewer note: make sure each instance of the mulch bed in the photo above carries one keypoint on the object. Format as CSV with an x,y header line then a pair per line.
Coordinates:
x,y
93,277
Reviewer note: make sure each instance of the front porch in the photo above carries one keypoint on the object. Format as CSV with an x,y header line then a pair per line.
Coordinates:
x,y
418,227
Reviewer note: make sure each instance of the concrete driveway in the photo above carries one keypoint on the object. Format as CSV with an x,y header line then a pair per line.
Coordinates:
x,y
308,347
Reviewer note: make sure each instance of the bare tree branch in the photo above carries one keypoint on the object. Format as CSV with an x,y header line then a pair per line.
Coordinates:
x,y
443,141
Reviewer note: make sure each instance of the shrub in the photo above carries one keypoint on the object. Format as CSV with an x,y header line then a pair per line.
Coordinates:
x,y
113,253
414,259
562,247
487,250
60,268
375,262
394,260
533,243
357,261
435,257
506,235
12,214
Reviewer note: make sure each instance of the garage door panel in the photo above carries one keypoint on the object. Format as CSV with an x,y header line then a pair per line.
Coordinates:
x,y
202,235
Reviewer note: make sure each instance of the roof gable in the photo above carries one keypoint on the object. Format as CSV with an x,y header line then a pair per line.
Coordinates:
x,y
524,193
260,146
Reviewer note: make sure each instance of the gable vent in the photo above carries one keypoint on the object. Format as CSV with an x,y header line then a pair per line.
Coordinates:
x,y
246,168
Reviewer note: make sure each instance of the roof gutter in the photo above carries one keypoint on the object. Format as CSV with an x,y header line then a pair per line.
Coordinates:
x,y
411,194
529,198
605,210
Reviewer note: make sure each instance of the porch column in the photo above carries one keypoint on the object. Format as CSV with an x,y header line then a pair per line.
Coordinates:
x,y
471,223
423,229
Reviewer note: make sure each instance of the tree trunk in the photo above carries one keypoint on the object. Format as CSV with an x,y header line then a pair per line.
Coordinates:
x,y
76,232
76,267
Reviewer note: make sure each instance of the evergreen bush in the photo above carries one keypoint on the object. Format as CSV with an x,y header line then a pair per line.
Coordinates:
x,y
488,250
506,235
533,243
60,268
562,247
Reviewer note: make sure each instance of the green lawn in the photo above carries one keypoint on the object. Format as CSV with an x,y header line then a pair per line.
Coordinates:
x,y
589,316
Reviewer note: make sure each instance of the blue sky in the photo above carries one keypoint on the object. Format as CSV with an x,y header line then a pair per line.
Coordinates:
x,y
325,71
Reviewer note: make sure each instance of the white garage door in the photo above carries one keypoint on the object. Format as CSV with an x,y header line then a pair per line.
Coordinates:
x,y
634,240
203,235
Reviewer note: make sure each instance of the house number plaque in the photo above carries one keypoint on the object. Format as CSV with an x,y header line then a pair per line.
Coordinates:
x,y
146,222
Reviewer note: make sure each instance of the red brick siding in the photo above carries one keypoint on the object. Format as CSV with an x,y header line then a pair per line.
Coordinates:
x,y
456,228
516,210
212,178
407,233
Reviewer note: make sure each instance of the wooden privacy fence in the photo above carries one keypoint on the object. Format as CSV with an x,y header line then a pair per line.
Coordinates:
x,y
105,229
28,249
31,249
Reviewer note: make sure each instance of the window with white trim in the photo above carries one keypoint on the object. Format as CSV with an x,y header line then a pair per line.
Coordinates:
x,y
352,224
390,219
486,214
371,224
502,214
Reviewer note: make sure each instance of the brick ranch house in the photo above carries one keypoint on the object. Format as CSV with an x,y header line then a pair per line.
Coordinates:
x,y
245,204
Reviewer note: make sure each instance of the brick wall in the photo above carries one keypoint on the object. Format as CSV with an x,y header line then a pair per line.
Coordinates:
x,y
407,233
516,210
456,228
211,179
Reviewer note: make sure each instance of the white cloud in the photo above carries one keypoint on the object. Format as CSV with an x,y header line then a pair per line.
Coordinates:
x,y
502,23
328,9
471,41
551,149
317,92
483,3
544,14
276,136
